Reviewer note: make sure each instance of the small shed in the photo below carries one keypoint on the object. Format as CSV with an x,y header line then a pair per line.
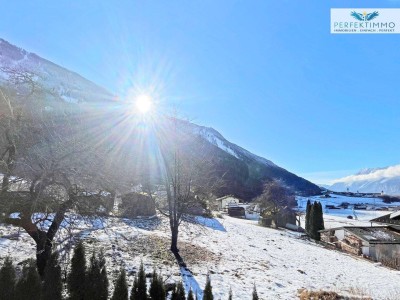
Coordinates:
x,y
223,202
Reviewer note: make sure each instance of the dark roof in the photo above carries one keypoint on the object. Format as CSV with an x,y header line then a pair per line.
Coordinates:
x,y
374,235
392,218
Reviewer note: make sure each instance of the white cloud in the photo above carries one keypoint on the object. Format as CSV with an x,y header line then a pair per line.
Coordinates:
x,y
325,177
379,174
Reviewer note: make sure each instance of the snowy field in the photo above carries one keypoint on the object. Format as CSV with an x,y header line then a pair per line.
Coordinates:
x,y
236,252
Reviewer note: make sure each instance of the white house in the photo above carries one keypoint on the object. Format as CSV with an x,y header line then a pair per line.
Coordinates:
x,y
223,202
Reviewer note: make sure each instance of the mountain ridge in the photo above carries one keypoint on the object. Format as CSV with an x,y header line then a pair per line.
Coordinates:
x,y
246,171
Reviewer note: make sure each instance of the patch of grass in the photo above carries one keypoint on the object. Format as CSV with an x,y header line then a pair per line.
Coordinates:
x,y
158,248
319,295
330,295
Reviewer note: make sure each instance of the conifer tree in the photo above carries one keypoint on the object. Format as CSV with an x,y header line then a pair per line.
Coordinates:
x,y
190,295
255,295
134,289
52,284
96,279
157,291
307,225
179,292
319,220
29,285
139,292
230,294
77,275
121,287
316,220
7,280
103,294
207,294
311,221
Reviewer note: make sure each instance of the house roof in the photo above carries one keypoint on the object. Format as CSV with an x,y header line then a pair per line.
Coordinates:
x,y
374,235
227,196
392,218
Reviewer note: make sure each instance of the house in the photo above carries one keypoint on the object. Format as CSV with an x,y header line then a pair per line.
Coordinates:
x,y
389,219
379,243
223,202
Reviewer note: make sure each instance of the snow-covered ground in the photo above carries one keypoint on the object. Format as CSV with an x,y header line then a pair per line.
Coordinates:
x,y
236,252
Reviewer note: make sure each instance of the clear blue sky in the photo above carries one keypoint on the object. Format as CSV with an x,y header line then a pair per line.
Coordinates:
x,y
267,74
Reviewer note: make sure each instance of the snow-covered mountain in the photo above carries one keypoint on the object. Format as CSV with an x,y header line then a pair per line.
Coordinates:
x,y
57,81
371,180
246,172
243,171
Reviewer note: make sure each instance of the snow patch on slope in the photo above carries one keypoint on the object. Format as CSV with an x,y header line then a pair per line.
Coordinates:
x,y
215,140
218,140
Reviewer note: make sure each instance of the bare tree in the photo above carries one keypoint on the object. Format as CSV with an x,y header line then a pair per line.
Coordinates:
x,y
274,200
187,179
56,172
48,162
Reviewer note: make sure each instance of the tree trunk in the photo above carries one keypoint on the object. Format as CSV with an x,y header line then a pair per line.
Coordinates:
x,y
43,252
42,238
174,239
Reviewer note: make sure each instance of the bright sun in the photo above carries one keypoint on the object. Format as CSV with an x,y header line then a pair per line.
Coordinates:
x,y
144,103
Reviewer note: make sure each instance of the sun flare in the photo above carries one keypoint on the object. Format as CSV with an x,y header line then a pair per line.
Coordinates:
x,y
144,103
